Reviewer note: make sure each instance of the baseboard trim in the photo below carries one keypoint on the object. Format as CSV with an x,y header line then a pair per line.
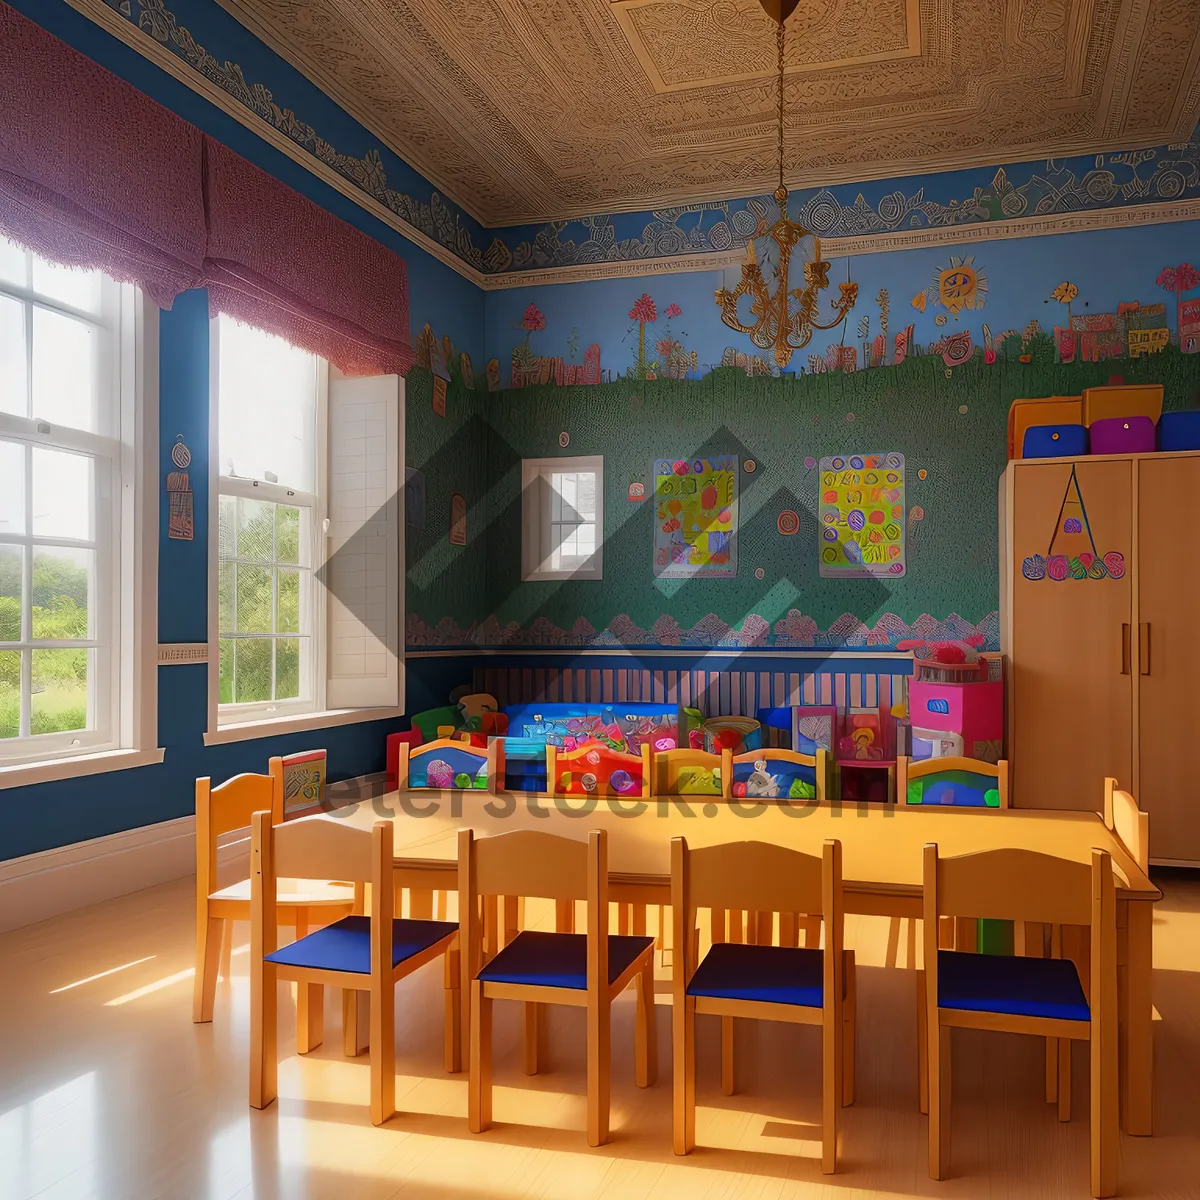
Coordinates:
x,y
39,886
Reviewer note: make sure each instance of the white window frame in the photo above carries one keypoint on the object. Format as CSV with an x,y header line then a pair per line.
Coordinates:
x,y
123,613
535,517
234,723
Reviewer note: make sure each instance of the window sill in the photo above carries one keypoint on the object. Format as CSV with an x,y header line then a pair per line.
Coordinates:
x,y
274,726
76,766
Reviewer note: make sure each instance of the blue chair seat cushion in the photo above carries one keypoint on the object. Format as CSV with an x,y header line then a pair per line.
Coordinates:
x,y
772,974
346,944
559,959
1015,986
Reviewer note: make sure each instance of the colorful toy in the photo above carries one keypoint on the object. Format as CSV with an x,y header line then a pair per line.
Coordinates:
x,y
450,765
731,733
622,727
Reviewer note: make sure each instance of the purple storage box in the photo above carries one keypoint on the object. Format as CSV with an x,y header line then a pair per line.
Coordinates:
x,y
1122,435
1054,441
1179,430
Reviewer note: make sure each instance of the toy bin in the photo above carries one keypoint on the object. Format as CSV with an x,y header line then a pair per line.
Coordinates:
x,y
1122,435
1179,430
973,711
1054,441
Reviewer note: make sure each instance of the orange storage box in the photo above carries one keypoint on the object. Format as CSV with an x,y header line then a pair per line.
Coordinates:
x,y
1123,400
1046,410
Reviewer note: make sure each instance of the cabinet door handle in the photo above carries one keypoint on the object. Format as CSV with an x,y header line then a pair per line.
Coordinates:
x,y
1144,647
1125,648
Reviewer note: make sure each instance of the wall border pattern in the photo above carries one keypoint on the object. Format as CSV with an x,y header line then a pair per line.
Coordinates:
x,y
1020,200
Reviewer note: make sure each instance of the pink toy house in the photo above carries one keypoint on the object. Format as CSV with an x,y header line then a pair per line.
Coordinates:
x,y
974,711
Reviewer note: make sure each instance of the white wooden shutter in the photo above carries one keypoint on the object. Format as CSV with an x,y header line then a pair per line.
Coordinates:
x,y
364,543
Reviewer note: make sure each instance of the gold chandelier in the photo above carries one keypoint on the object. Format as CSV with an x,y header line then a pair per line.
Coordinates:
x,y
783,322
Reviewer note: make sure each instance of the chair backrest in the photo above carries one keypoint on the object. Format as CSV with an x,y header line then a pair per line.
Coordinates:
x,y
756,877
772,772
952,782
320,847
450,765
1022,885
1128,822
528,862
222,809
687,772
596,769
299,784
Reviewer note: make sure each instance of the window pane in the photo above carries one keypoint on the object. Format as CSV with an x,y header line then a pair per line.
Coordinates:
x,y
62,494
64,370
14,387
267,407
253,600
226,583
225,650
67,285
253,680
61,585
12,263
58,700
12,487
287,602
10,693
255,530
287,668
287,534
585,503
10,593
228,527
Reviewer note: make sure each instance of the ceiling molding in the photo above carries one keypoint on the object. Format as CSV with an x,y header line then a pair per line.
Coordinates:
x,y
528,111
654,264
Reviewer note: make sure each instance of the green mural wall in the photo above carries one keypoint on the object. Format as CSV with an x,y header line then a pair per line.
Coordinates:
x,y
949,423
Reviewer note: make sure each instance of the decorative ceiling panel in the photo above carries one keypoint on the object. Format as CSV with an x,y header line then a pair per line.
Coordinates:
x,y
534,110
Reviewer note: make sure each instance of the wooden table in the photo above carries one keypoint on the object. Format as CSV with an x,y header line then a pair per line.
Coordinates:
x,y
881,857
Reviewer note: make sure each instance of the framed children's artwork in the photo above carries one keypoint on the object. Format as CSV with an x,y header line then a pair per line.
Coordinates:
x,y
861,516
695,526
814,726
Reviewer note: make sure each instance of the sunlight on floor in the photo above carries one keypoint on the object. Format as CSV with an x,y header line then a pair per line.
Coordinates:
x,y
102,974
159,984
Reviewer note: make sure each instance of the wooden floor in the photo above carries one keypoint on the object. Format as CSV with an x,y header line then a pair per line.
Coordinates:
x,y
108,1090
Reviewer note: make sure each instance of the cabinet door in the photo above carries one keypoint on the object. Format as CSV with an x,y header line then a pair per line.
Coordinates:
x,y
1168,586
1072,718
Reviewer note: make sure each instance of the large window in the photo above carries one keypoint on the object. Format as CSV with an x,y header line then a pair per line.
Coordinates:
x,y
271,396
562,502
70,603
307,535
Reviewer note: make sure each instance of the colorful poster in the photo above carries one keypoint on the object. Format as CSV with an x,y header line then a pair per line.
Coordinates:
x,y
695,529
861,516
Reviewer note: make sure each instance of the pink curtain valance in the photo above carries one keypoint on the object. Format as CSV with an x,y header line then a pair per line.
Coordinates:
x,y
92,172
95,174
279,261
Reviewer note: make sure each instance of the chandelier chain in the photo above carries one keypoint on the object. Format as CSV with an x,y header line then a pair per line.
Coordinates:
x,y
779,47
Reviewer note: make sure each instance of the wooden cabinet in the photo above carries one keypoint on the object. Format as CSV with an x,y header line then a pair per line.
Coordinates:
x,y
1167,782
1100,581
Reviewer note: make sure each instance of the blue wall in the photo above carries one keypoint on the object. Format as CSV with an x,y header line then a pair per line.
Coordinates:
x,y
1108,266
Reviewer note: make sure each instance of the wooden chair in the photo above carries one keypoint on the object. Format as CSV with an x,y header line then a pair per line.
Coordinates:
x,y
770,983
450,765
770,773
585,970
300,784
358,953
1128,822
222,810
594,769
567,774
687,772
952,782
949,783
1042,996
